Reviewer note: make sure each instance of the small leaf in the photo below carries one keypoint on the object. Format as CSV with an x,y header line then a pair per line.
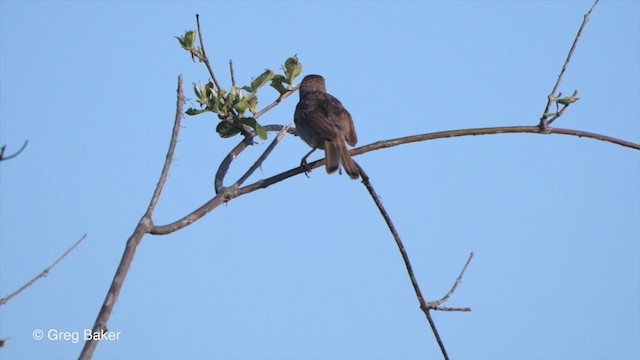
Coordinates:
x,y
187,40
262,132
262,79
227,129
234,95
196,89
253,123
219,103
567,100
276,83
245,103
253,104
292,68
202,92
192,111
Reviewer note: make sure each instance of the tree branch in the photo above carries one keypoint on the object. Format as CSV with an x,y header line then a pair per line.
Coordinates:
x,y
435,305
205,59
264,183
43,273
405,257
4,147
141,229
552,97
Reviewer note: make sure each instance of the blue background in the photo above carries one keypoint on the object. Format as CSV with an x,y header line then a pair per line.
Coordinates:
x,y
306,269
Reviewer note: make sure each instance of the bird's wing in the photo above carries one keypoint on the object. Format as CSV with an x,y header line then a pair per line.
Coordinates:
x,y
322,115
342,120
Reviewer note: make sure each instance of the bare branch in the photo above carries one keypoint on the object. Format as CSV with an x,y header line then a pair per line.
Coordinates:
x,y
437,335
218,183
143,227
552,97
403,253
277,101
205,59
4,147
435,304
43,273
172,147
262,157
561,111
221,198
264,183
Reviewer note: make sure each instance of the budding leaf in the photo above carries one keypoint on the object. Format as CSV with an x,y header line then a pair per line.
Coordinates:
x,y
253,104
567,100
292,68
262,132
262,79
247,102
276,83
187,40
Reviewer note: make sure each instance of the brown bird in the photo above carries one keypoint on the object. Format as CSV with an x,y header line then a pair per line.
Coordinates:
x,y
323,123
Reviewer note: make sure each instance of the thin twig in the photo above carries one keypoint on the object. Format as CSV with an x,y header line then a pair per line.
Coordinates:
x,y
226,163
437,335
205,59
262,157
233,77
290,130
435,304
277,101
172,147
4,147
551,98
403,253
143,227
561,111
43,273
218,183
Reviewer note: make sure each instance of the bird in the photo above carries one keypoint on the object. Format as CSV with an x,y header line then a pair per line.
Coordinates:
x,y
323,123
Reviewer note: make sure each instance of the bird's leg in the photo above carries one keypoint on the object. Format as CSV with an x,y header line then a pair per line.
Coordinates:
x,y
304,164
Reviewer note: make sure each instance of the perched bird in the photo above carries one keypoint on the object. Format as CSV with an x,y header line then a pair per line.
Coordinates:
x,y
323,123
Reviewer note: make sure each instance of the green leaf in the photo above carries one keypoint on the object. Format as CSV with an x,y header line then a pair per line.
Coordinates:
x,y
567,100
234,95
292,68
192,111
262,79
219,103
246,103
227,129
262,132
203,93
253,103
276,83
253,123
187,40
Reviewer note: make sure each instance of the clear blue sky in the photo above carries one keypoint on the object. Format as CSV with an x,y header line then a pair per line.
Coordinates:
x,y
307,269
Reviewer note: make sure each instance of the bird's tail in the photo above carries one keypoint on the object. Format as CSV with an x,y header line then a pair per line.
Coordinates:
x,y
336,153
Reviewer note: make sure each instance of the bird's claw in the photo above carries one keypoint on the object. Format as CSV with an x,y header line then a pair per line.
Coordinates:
x,y
305,166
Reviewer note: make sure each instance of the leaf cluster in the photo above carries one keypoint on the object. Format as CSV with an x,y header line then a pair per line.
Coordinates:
x,y
237,107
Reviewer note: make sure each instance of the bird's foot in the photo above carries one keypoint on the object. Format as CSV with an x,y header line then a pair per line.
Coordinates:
x,y
306,167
